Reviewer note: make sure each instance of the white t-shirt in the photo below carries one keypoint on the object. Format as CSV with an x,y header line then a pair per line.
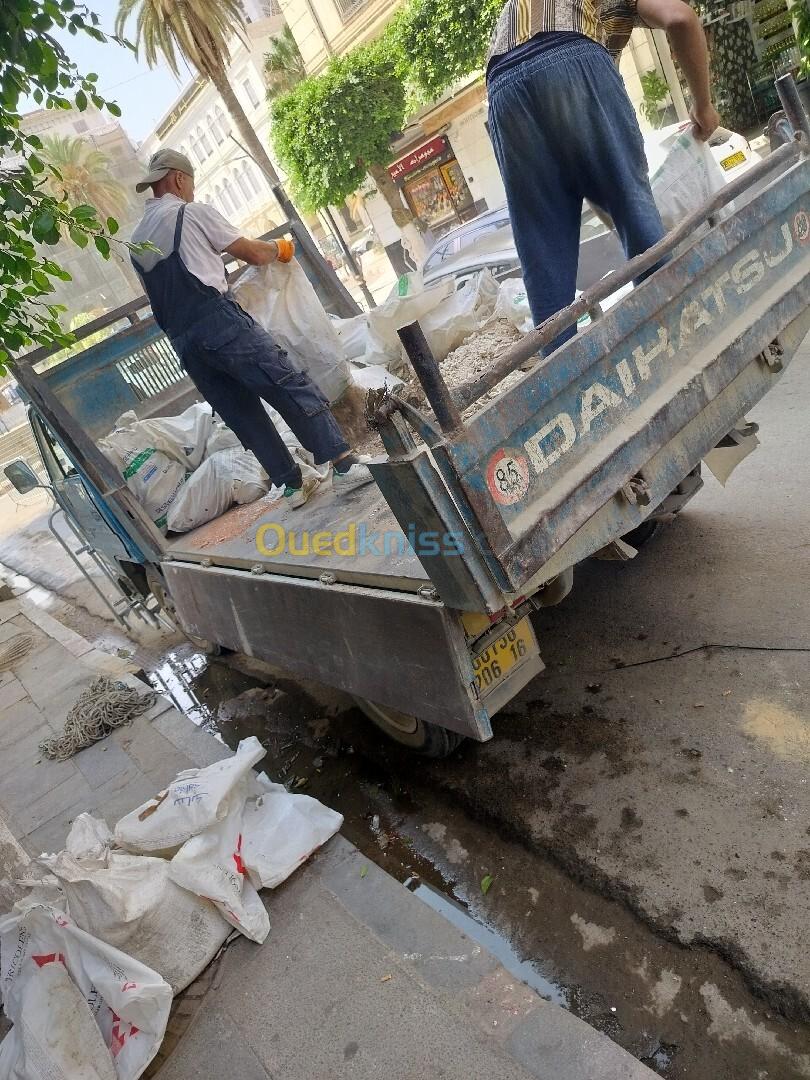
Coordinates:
x,y
206,234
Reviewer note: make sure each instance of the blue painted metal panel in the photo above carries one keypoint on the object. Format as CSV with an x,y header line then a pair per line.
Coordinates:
x,y
93,385
542,458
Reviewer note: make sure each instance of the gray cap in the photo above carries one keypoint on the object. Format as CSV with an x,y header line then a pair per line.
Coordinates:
x,y
161,163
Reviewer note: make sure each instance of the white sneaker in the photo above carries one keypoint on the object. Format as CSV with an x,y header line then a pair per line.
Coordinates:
x,y
355,476
296,497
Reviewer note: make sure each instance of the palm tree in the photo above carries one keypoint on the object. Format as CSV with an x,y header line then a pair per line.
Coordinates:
x,y
198,31
284,65
78,173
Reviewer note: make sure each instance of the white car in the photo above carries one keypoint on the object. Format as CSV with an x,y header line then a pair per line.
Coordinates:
x,y
486,242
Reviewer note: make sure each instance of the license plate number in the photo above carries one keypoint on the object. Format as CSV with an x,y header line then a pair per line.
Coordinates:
x,y
492,665
733,160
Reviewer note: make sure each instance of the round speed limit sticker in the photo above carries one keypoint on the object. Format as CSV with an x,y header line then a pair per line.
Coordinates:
x,y
508,476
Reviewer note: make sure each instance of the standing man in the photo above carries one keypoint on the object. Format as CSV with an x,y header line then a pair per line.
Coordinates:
x,y
233,362
565,130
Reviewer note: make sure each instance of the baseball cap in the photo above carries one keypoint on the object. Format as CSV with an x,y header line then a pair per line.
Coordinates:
x,y
162,162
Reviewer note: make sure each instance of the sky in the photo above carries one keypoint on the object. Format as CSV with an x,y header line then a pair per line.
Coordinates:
x,y
144,94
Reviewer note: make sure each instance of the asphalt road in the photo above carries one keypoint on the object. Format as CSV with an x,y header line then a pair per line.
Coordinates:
x,y
680,784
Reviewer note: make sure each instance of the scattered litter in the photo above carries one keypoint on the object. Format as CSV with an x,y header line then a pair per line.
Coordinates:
x,y
486,883
386,978
363,871
699,705
105,705
13,650
726,693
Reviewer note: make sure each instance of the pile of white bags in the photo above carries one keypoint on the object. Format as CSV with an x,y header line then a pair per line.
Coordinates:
x,y
89,961
81,1009
281,299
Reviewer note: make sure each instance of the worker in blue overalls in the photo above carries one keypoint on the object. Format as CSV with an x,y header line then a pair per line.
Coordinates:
x,y
232,361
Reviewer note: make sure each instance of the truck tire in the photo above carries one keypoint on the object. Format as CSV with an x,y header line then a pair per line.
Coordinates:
x,y
420,736
166,606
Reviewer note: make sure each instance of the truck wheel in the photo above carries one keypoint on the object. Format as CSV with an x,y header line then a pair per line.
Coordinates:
x,y
168,610
639,536
429,740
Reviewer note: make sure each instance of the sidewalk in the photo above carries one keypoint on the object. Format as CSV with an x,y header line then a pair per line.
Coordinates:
x,y
358,978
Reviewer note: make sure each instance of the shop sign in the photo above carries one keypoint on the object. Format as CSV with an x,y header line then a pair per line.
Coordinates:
x,y
428,151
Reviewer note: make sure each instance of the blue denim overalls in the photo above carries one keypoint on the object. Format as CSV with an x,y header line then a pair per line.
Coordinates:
x,y
234,364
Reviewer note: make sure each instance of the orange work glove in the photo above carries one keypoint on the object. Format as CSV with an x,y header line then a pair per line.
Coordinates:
x,y
286,250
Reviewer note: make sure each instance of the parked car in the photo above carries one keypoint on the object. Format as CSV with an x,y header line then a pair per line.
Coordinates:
x,y
486,242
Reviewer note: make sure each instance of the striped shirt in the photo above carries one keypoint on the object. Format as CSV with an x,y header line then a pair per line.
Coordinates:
x,y
609,22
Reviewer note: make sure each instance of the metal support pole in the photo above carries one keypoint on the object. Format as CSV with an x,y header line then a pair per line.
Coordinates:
x,y
429,375
792,104
354,266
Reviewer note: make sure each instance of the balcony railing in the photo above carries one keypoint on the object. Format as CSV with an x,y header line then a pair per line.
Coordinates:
x,y
347,9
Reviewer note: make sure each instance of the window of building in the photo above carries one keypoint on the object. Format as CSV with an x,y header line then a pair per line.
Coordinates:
x,y
347,9
233,194
250,177
239,177
204,142
253,97
219,125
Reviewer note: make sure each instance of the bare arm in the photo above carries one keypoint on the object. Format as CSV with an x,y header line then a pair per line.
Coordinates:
x,y
688,43
255,252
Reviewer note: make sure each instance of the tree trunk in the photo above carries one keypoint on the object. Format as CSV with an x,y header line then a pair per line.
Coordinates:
x,y
411,228
341,300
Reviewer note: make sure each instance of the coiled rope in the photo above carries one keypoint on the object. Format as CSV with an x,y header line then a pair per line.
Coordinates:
x,y
104,706
14,649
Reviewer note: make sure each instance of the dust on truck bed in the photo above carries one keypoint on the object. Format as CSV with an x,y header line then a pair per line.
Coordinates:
x,y
353,536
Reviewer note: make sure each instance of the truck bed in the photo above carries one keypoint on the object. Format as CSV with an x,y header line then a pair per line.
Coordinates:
x,y
371,548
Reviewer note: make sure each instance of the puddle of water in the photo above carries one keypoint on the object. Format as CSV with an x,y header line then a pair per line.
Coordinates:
x,y
494,942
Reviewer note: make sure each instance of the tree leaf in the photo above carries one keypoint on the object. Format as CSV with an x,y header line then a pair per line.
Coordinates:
x,y
486,883
102,246
79,238
112,226
113,108
42,225
81,100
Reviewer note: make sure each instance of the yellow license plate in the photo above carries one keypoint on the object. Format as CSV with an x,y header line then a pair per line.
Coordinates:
x,y
502,656
733,160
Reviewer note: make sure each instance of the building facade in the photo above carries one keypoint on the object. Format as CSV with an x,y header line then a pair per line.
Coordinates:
x,y
444,164
198,125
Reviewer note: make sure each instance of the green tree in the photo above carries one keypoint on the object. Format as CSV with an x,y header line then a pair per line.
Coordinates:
x,y
76,173
283,64
336,128
33,63
438,42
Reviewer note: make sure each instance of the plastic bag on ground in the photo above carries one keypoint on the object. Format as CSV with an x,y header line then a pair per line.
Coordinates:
x,y
210,864
129,1002
131,903
192,802
227,477
281,299
280,831
89,838
687,178
55,1036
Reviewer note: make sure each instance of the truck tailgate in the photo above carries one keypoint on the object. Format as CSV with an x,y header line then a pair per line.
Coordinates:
x,y
612,421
